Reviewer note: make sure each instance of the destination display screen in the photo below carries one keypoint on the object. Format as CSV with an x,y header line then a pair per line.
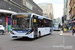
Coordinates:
x,y
20,16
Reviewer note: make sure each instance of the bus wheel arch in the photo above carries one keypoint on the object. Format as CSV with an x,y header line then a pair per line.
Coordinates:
x,y
39,33
50,32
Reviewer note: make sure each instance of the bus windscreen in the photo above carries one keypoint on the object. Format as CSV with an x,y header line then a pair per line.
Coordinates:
x,y
20,22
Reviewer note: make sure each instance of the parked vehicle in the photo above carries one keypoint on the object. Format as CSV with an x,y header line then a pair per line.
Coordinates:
x,y
2,29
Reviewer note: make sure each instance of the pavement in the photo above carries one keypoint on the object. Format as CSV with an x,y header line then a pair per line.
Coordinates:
x,y
69,33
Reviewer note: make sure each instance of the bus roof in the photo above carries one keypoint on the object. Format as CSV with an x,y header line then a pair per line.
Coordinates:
x,y
41,16
20,13
33,14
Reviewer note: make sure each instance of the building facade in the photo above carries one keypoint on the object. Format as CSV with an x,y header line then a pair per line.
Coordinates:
x,y
47,9
8,7
65,1
67,10
72,9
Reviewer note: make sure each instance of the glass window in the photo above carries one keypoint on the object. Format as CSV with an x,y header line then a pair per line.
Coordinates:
x,y
45,11
24,2
46,23
51,23
29,5
20,23
48,6
42,4
40,23
56,25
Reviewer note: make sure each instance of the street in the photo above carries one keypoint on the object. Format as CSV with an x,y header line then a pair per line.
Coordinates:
x,y
48,42
35,18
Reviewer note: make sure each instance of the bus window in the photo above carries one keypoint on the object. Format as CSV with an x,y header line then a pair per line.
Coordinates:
x,y
40,23
46,23
51,23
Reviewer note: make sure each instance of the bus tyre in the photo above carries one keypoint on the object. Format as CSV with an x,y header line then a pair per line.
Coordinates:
x,y
39,34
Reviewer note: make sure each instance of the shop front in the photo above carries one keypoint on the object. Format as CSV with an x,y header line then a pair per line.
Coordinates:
x,y
8,23
5,18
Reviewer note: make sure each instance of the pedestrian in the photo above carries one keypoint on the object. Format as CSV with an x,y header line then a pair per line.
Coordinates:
x,y
8,28
73,31
62,28
67,27
23,26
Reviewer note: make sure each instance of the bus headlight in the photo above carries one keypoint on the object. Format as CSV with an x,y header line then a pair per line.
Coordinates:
x,y
11,32
28,33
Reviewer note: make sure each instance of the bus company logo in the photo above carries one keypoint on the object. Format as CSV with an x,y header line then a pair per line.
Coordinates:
x,y
19,31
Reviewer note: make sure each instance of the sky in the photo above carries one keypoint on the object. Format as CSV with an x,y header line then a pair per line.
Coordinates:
x,y
57,6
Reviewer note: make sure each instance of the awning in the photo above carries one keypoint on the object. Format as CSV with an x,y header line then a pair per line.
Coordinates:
x,y
73,21
7,11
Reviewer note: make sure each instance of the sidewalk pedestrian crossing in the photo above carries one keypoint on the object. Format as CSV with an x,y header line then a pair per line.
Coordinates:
x,y
68,33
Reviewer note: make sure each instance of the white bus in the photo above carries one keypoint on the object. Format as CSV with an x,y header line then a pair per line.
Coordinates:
x,y
57,26
30,25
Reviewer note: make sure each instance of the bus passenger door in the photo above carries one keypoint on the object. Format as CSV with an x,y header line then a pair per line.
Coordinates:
x,y
35,25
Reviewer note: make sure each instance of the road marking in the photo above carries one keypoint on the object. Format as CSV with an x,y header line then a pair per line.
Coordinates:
x,y
59,32
63,41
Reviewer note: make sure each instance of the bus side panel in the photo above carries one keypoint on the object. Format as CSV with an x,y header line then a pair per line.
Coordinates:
x,y
44,31
41,31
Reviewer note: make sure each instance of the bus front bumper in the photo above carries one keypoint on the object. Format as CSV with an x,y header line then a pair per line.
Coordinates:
x,y
21,36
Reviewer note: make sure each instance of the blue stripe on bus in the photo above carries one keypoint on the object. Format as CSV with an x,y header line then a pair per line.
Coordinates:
x,y
23,31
